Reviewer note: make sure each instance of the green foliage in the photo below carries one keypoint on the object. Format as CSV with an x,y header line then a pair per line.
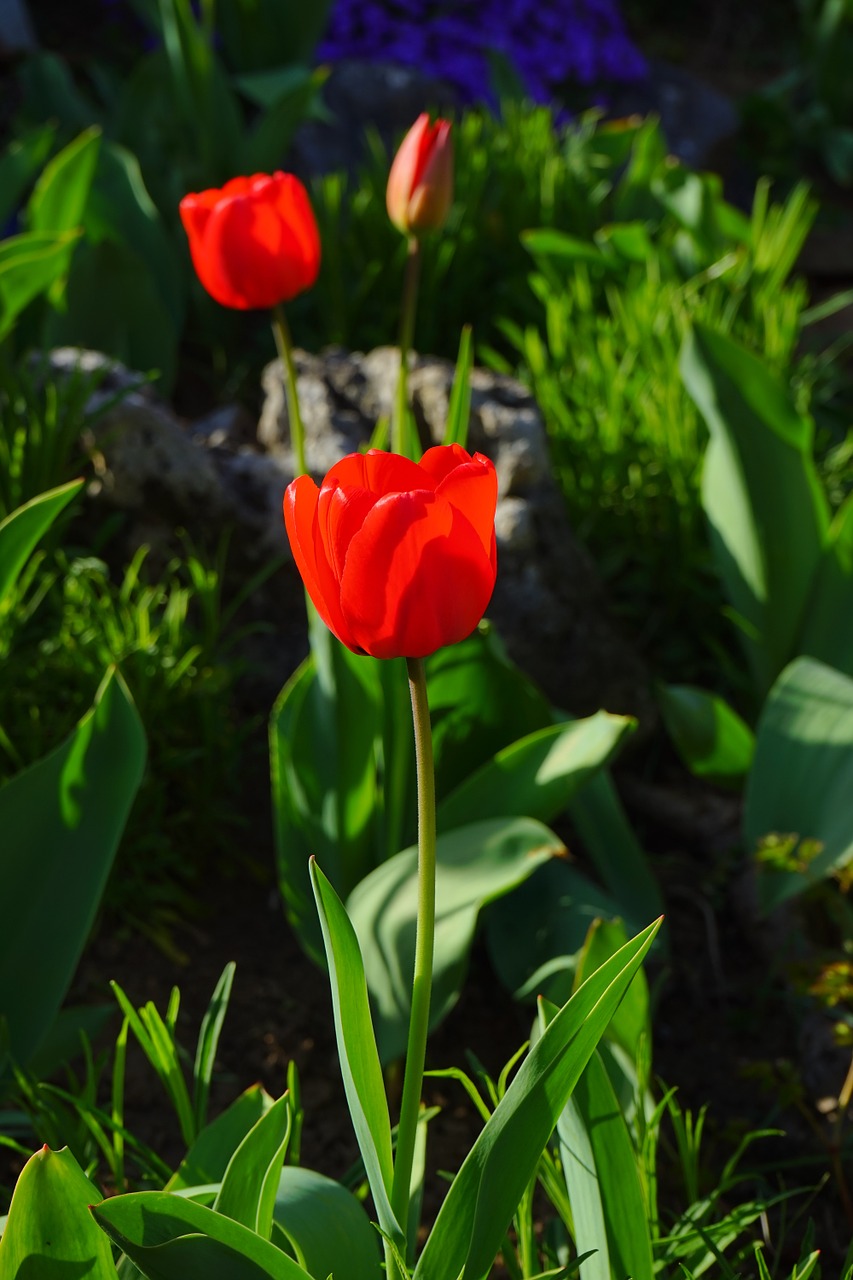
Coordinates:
x,y
803,117
357,1051
476,1211
63,817
171,638
790,583
190,114
476,863
342,777
801,782
44,419
324,1226
710,737
511,173
156,1036
50,1234
615,298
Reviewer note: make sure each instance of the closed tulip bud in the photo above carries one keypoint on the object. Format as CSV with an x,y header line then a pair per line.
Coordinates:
x,y
397,556
420,184
254,242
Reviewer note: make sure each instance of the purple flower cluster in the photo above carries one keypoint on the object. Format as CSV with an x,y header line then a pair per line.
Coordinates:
x,y
547,42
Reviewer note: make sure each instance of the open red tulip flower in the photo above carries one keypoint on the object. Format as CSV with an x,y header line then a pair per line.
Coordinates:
x,y
420,184
397,556
254,242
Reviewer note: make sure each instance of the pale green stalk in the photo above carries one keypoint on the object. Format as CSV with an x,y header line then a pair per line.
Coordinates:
x,y
284,346
424,944
408,308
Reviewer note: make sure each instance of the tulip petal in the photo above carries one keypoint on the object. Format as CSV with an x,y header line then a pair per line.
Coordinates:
x,y
301,500
472,487
380,473
416,577
340,514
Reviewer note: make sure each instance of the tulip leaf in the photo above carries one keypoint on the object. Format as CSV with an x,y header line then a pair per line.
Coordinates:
x,y
62,819
21,162
30,264
325,1226
359,1058
537,775
799,790
23,529
248,1189
208,1157
49,1233
113,304
60,195
170,1237
603,1180
485,1193
758,469
475,864
711,738
828,624
535,936
610,844
479,702
324,733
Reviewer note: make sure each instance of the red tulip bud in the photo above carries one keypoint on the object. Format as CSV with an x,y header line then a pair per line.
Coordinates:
x,y
420,184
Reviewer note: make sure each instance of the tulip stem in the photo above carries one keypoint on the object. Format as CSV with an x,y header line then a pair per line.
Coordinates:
x,y
284,345
408,309
410,1103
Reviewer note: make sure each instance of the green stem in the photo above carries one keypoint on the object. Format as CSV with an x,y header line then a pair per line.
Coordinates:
x,y
408,308
284,346
410,1103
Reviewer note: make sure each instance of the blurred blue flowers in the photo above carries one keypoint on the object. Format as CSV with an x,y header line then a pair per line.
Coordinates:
x,y
547,43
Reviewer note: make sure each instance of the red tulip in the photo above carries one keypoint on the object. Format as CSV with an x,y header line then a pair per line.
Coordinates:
x,y
420,184
397,556
254,243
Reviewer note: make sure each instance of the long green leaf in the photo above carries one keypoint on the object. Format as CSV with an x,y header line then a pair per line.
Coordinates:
x,y
208,1157
711,738
801,783
49,1233
208,1041
535,935
60,195
475,864
593,1112
21,531
170,1237
248,1188
483,1197
325,1226
61,821
325,731
828,622
537,776
610,844
758,475
359,1059
30,264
